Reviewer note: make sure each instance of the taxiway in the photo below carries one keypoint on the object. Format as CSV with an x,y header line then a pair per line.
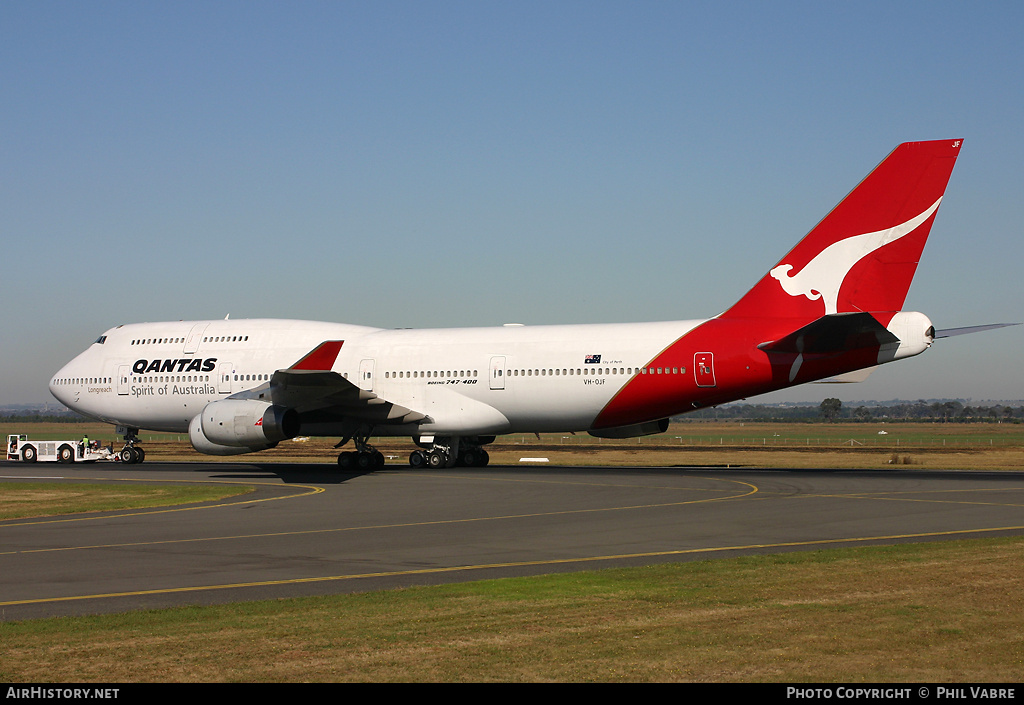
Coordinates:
x,y
309,529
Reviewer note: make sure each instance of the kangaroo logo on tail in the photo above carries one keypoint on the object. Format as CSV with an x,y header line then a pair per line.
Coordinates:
x,y
823,276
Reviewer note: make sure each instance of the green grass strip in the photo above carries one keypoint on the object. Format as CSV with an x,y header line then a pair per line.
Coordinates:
x,y
933,612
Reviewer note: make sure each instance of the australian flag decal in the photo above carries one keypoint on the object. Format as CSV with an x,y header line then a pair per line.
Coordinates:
x,y
592,360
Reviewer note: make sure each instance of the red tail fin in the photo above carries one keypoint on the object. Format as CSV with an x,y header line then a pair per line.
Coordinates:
x,y
862,256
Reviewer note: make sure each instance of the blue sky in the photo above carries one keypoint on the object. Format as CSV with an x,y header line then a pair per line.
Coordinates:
x,y
471,163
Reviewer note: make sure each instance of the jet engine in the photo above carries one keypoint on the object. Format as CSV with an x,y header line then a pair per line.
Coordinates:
x,y
235,426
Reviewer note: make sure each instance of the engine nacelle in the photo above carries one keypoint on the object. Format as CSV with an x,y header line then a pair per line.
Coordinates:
x,y
233,426
639,429
204,445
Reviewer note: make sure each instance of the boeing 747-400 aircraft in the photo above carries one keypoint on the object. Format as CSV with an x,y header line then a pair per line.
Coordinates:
x,y
830,307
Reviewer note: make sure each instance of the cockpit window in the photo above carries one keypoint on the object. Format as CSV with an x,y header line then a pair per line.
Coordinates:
x,y
102,339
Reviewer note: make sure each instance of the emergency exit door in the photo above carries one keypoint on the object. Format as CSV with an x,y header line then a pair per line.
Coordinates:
x,y
224,371
366,375
704,369
498,372
122,378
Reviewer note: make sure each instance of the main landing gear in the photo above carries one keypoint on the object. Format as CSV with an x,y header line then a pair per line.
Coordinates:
x,y
364,457
451,452
434,452
131,453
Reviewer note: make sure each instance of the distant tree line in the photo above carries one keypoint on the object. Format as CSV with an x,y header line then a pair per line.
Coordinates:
x,y
833,410
36,417
829,410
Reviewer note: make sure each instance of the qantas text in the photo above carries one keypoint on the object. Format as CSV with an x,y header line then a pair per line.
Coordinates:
x,y
184,365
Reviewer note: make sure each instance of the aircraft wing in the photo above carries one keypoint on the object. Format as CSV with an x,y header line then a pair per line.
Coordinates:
x,y
309,386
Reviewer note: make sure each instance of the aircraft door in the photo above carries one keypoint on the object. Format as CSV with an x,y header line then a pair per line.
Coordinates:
x,y
366,375
224,378
498,372
704,369
122,379
194,336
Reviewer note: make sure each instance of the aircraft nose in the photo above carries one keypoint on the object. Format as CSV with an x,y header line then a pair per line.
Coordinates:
x,y
55,385
63,387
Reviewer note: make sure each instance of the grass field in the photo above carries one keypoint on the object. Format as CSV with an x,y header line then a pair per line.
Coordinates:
x,y
19,500
940,612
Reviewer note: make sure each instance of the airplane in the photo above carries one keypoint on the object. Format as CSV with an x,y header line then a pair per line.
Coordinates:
x,y
830,309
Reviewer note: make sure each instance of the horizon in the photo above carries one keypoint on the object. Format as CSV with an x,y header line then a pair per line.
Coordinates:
x,y
61,409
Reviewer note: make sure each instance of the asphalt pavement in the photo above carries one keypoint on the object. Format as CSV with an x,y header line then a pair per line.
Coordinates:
x,y
310,529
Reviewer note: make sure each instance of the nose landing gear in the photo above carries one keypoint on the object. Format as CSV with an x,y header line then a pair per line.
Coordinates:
x,y
131,453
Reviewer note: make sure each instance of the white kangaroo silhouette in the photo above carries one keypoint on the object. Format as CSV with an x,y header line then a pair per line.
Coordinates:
x,y
823,276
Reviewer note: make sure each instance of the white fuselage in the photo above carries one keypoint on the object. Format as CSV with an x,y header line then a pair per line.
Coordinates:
x,y
465,381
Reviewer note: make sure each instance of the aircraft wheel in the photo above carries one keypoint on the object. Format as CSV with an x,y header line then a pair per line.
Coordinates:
x,y
65,454
475,457
129,456
365,461
346,461
140,455
436,459
28,454
418,459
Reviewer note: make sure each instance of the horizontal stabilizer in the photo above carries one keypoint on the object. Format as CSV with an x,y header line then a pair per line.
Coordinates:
x,y
834,333
850,377
950,332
